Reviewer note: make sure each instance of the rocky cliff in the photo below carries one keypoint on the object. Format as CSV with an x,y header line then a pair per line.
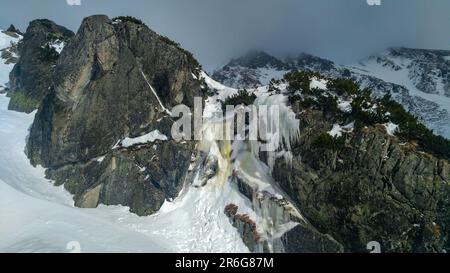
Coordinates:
x,y
361,170
375,188
350,168
38,52
103,130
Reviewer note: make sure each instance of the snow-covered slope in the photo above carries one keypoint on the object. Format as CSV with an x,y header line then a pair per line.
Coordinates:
x,y
258,68
6,41
418,79
427,71
38,217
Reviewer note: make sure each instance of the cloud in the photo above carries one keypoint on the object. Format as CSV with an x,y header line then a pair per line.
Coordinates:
x,y
215,30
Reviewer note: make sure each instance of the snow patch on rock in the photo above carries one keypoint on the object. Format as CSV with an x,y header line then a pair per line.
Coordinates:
x,y
58,45
345,106
391,128
150,137
320,84
338,130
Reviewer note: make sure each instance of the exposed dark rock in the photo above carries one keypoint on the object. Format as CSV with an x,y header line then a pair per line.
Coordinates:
x,y
374,189
141,178
244,72
116,78
257,68
102,95
303,239
258,59
246,228
245,188
231,210
33,74
10,54
211,168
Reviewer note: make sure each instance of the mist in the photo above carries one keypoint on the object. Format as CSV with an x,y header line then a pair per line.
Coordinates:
x,y
344,31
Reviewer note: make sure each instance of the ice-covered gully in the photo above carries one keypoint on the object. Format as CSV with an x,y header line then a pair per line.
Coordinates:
x,y
230,142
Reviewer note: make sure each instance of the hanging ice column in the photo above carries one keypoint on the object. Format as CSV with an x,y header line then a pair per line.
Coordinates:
x,y
280,127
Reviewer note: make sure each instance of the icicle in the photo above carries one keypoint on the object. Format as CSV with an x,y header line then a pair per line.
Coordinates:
x,y
288,129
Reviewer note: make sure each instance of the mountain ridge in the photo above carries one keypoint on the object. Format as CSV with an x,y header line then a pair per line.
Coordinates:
x,y
414,92
349,168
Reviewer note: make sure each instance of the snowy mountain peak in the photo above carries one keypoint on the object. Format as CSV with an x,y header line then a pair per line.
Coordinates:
x,y
425,70
258,68
300,165
306,61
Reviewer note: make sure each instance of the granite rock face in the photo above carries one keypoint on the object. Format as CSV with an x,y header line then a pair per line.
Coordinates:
x,y
373,189
33,73
114,80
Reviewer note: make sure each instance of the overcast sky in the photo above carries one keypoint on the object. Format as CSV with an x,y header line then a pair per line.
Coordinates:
x,y
216,30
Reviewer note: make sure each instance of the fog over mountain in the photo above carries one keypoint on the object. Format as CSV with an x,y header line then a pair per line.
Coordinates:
x,y
214,30
351,153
